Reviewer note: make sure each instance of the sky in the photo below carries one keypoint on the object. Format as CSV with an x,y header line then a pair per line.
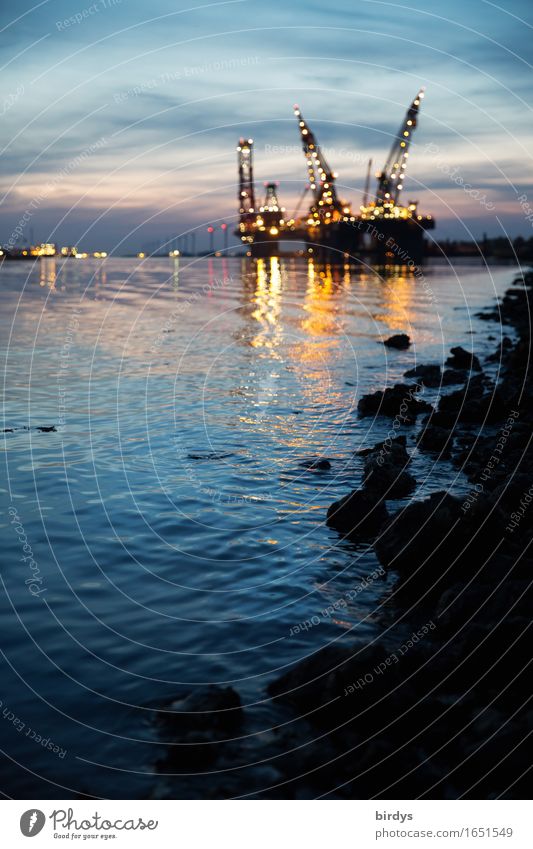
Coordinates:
x,y
120,118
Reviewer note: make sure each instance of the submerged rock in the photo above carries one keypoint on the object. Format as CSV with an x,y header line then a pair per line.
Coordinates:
x,y
212,708
401,341
197,727
319,463
360,513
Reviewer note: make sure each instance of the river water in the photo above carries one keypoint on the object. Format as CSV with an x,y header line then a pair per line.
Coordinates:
x,y
171,532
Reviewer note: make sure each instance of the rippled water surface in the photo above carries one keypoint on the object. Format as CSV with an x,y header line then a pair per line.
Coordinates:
x,y
177,535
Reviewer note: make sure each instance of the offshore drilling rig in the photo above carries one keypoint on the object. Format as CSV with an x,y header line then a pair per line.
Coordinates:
x,y
382,228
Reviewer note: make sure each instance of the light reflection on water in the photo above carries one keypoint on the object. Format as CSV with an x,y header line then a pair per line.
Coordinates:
x,y
178,535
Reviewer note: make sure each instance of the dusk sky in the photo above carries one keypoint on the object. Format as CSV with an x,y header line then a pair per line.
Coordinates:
x,y
121,124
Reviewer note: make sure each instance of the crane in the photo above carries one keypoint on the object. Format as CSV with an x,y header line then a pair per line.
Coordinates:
x,y
326,206
246,180
390,180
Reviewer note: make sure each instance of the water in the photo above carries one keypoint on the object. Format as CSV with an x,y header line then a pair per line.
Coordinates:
x,y
176,538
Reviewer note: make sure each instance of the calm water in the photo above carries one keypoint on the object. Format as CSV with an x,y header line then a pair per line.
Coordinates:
x,y
177,537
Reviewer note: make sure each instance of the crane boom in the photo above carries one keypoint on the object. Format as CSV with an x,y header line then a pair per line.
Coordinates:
x,y
390,180
327,205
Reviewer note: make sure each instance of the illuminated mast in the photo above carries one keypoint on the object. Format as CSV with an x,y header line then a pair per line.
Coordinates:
x,y
326,207
246,180
390,180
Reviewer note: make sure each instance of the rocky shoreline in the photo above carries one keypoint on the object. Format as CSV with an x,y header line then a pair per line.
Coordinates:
x,y
440,708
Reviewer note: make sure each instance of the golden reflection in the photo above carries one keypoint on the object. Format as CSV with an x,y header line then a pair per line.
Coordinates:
x,y
320,301
47,272
267,300
176,273
398,291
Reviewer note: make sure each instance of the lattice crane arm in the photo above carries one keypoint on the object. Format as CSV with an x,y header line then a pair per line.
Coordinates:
x,y
390,180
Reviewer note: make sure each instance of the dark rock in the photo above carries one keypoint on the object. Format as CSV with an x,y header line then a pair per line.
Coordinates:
x,y
385,446
414,536
320,463
435,439
209,455
398,400
387,481
197,727
47,428
360,513
400,341
433,542
478,401
454,375
463,359
384,471
429,375
213,709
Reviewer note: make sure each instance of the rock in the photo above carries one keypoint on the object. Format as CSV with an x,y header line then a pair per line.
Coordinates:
x,y
387,481
432,543
398,400
429,375
435,439
473,404
320,463
198,727
214,709
463,359
47,428
360,513
413,537
385,446
384,470
454,375
209,455
400,341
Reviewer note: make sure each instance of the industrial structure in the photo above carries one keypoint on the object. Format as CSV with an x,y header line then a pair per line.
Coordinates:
x,y
382,228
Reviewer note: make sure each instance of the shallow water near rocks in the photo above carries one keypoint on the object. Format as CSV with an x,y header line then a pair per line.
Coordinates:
x,y
178,532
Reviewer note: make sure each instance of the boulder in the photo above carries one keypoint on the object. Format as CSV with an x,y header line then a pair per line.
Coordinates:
x,y
454,375
435,439
463,359
398,442
400,341
384,471
215,709
319,463
360,513
429,375
398,400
